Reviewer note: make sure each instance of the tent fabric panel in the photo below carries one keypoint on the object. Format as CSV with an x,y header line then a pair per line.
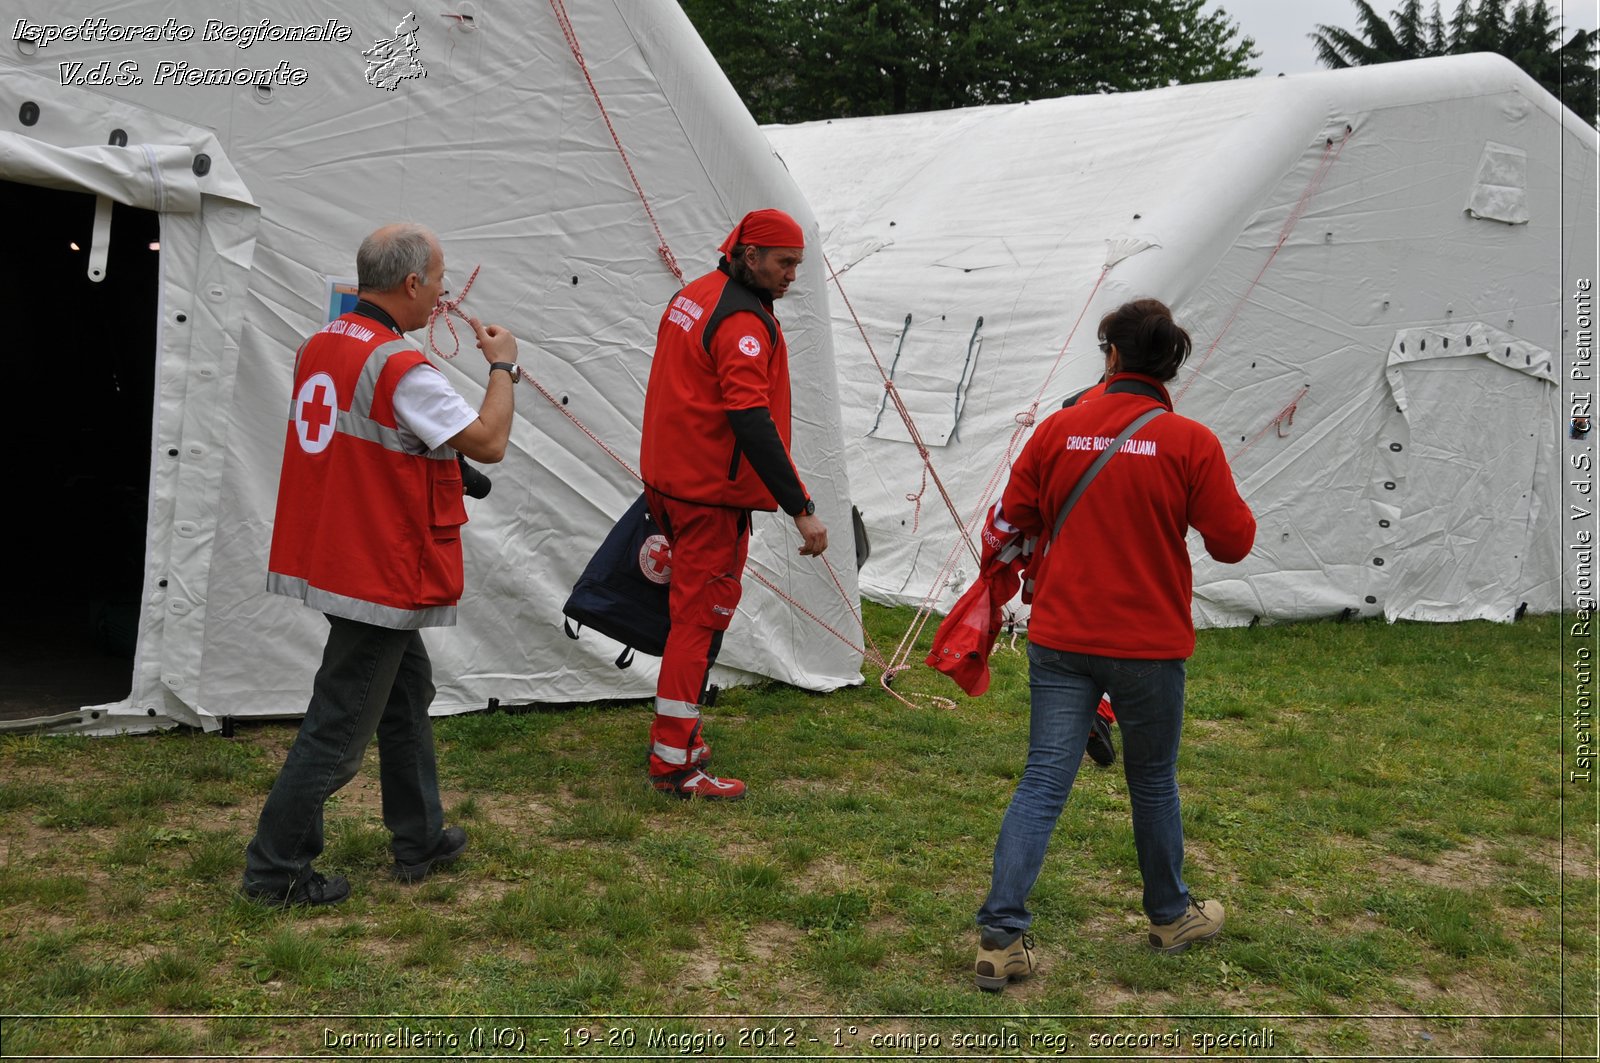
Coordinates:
x,y
503,151
1501,190
1466,525
1319,216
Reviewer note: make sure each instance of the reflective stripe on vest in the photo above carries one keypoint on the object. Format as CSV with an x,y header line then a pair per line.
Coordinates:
x,y
357,421
358,609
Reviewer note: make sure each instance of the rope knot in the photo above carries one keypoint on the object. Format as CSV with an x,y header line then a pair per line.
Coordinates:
x,y
446,308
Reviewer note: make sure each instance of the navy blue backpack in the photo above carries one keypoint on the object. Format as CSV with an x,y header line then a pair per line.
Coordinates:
x,y
624,589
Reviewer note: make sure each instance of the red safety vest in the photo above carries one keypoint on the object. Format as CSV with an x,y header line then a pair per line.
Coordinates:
x,y
364,530
688,450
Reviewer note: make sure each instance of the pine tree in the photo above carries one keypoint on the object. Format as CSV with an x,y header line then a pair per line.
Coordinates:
x,y
1529,36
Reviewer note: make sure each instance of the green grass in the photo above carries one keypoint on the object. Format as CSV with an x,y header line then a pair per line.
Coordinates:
x,y
1381,808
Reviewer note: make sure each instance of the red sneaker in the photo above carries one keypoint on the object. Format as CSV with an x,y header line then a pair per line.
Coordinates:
x,y
694,782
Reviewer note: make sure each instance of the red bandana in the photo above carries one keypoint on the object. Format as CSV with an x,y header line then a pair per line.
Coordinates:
x,y
764,228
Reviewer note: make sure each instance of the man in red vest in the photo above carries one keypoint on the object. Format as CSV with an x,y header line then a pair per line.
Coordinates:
x,y
715,447
368,532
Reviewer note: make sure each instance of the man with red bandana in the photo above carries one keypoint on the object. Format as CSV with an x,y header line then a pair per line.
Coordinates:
x,y
715,447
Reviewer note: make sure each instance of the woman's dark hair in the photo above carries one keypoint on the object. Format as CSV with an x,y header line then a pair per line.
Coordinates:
x,y
1147,339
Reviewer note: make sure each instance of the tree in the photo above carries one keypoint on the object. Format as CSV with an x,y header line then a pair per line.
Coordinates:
x,y
1529,36
1377,41
796,60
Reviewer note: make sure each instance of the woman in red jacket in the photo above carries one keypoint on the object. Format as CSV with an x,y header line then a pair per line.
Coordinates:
x,y
1111,615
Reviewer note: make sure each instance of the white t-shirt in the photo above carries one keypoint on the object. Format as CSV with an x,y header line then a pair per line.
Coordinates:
x,y
428,411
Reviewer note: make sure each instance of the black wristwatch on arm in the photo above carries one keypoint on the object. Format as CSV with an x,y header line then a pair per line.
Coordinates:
x,y
810,509
511,367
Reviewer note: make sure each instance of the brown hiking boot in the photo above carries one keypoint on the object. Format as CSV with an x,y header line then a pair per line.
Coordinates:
x,y
1201,922
998,964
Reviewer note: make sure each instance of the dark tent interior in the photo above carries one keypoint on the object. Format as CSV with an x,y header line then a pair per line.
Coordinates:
x,y
83,374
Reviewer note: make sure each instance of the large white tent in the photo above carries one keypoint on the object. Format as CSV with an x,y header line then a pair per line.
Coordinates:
x,y
1378,267
498,141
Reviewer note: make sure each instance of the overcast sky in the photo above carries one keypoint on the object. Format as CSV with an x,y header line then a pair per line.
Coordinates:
x,y
1280,26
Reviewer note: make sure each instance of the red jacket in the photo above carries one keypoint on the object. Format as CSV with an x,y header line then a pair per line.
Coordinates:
x,y
1118,582
364,530
718,348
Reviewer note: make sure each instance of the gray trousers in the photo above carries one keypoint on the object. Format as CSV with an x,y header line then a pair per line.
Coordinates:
x,y
372,680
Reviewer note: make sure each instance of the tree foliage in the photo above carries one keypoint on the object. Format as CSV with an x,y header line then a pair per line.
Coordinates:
x,y
798,60
1529,35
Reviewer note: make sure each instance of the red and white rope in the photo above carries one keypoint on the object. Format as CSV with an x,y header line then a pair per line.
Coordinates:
x,y
446,309
565,22
1330,155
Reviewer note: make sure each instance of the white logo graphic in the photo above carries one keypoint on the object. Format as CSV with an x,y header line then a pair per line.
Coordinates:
x,y
750,345
391,61
655,559
315,410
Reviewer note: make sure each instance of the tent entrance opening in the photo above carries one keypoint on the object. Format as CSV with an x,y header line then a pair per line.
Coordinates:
x,y
82,382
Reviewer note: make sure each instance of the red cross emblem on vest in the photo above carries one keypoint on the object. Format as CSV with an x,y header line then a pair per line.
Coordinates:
x,y
316,405
655,559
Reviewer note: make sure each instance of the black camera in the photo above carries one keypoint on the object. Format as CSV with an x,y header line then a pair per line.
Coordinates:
x,y
474,484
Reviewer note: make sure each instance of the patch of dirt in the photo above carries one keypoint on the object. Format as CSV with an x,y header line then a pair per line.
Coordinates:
x,y
776,973
825,872
1460,868
774,942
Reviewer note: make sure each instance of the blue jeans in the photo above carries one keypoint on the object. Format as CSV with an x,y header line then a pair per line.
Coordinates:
x,y
372,680
1147,697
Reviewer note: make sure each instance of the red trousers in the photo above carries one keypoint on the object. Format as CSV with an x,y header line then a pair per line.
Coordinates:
x,y
709,545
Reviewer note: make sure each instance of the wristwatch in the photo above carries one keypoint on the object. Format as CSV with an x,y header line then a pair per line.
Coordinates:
x,y
810,509
511,367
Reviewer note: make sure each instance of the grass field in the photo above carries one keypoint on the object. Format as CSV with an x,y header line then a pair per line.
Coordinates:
x,y
1384,809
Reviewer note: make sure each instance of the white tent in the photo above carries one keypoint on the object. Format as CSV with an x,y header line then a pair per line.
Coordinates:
x,y
497,142
1378,267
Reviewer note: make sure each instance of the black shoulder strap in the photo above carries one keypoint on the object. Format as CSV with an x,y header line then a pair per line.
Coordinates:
x,y
1100,463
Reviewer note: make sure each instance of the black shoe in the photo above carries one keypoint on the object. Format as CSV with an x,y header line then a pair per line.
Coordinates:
x,y
311,891
1100,749
452,843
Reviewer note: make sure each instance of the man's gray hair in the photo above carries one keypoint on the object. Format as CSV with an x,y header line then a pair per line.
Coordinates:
x,y
387,257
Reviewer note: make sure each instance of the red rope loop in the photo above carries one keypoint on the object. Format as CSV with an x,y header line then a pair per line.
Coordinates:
x,y
446,308
887,678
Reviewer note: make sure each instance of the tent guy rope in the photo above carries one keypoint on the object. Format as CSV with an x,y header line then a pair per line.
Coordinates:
x,y
446,308
901,660
1330,155
565,22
